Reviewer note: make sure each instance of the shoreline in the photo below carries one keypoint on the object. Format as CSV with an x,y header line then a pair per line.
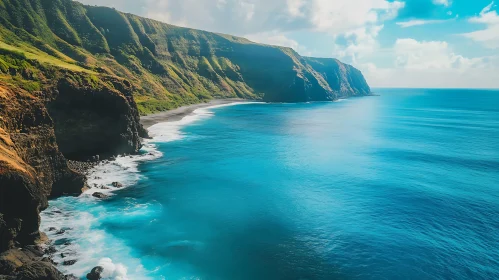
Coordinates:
x,y
101,176
181,112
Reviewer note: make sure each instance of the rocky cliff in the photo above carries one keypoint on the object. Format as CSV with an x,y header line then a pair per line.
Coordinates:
x,y
47,115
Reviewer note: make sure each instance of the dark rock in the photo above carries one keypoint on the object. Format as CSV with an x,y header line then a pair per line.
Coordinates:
x,y
92,121
69,262
39,271
34,250
50,250
95,274
61,231
52,229
99,195
117,185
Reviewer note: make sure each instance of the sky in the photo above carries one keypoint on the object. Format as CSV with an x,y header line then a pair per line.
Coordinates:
x,y
402,43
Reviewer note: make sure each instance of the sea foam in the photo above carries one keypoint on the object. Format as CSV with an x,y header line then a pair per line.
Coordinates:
x,y
72,224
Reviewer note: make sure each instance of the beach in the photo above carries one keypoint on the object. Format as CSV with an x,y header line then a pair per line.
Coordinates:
x,y
181,112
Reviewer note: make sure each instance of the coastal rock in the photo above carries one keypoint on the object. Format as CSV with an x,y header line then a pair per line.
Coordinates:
x,y
95,120
50,250
32,166
99,195
39,271
96,273
69,262
117,185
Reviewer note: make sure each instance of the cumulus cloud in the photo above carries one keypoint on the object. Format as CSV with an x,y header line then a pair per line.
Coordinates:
x,y
257,16
445,3
489,36
417,22
433,64
361,42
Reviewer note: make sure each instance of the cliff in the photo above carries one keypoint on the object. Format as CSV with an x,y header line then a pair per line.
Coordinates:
x,y
47,115
170,66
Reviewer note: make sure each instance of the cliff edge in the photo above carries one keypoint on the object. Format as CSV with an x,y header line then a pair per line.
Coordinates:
x,y
65,114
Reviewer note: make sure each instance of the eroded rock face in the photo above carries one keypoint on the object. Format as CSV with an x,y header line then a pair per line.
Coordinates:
x,y
31,166
94,120
85,121
28,264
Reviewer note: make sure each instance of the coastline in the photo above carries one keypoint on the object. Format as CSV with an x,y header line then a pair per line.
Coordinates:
x,y
181,112
62,221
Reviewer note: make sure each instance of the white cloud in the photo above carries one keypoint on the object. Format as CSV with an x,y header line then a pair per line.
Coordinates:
x,y
361,42
295,8
256,16
445,3
416,22
338,17
358,22
433,64
489,36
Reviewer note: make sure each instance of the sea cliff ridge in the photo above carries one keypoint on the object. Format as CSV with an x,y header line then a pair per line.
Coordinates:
x,y
74,80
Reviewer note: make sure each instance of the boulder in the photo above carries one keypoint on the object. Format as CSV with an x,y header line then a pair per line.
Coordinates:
x,y
69,262
99,195
95,274
117,185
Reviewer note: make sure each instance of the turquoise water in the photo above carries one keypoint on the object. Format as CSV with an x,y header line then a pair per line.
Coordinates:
x,y
400,186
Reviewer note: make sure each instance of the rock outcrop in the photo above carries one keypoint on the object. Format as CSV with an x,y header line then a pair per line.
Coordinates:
x,y
31,166
66,114
95,274
95,121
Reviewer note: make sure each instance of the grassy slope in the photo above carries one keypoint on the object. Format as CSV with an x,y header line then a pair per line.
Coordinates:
x,y
171,66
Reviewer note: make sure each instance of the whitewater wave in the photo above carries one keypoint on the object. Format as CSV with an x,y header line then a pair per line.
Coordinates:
x,y
171,131
73,223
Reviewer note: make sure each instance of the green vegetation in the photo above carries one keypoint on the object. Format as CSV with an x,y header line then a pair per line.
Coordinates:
x,y
169,66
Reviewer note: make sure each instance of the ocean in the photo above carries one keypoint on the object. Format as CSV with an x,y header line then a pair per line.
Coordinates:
x,y
404,185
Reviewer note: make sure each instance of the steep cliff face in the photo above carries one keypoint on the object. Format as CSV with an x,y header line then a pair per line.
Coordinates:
x,y
344,79
95,120
48,114
31,166
171,66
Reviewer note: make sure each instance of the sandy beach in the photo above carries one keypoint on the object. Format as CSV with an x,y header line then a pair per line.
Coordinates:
x,y
179,113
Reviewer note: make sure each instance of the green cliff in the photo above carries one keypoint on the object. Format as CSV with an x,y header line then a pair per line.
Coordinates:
x,y
170,66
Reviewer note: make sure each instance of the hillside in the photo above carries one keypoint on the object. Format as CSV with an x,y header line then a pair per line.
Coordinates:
x,y
170,66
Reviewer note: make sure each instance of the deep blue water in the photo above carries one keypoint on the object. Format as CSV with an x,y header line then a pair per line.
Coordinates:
x,y
400,186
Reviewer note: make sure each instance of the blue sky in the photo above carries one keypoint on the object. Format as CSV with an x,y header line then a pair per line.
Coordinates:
x,y
403,43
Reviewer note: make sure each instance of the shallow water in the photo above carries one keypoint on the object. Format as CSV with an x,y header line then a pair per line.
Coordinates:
x,y
400,186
